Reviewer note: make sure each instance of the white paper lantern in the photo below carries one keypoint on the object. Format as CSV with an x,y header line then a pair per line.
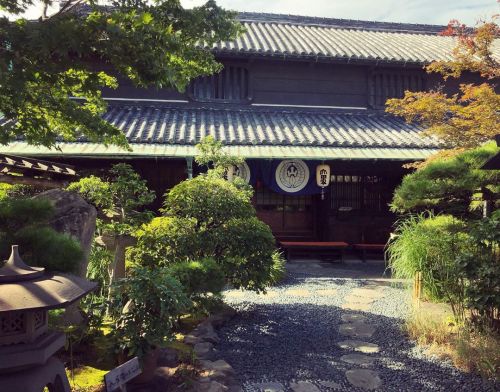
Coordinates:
x,y
323,178
323,175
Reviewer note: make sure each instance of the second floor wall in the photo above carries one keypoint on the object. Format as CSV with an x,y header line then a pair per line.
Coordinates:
x,y
303,83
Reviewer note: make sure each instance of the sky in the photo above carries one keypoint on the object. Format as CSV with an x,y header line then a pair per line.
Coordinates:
x,y
409,11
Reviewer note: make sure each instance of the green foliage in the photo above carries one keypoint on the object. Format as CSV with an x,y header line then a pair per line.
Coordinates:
x,y
211,201
480,265
429,244
208,217
121,197
76,54
145,307
447,185
4,190
212,156
199,277
163,241
24,222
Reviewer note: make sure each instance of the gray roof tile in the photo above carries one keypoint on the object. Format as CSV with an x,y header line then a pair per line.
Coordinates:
x,y
246,126
297,36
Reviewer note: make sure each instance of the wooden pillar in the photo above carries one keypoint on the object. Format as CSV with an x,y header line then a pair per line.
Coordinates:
x,y
189,167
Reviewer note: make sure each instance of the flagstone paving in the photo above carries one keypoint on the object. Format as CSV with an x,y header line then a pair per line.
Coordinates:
x,y
332,327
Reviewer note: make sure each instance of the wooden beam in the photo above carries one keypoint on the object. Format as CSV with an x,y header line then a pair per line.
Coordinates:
x,y
39,182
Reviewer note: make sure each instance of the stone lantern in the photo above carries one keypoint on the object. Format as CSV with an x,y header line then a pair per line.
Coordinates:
x,y
27,345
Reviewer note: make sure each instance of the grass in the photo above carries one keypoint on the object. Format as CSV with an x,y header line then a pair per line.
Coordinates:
x,y
87,378
469,350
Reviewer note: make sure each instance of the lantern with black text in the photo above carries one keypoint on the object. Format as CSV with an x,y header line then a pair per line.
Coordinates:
x,y
323,178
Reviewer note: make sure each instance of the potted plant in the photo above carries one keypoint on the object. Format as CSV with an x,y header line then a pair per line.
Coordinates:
x,y
145,306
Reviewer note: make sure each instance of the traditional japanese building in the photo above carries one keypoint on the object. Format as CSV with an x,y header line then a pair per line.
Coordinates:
x,y
295,92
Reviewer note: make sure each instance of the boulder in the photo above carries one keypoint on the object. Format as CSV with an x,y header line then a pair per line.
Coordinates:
x,y
73,216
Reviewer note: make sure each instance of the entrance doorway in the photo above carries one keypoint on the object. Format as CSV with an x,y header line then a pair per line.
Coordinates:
x,y
289,216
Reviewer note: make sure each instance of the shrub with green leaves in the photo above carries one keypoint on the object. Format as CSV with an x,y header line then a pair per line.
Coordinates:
x,y
145,307
208,217
199,277
163,241
448,184
24,222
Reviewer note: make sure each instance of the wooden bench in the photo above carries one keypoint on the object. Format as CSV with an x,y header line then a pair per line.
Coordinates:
x,y
319,247
364,249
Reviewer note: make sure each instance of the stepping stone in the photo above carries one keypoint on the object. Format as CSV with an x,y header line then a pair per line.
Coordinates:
x,y
351,318
326,292
269,294
304,386
358,359
364,378
358,345
356,299
270,387
234,294
359,330
371,293
298,292
330,385
356,306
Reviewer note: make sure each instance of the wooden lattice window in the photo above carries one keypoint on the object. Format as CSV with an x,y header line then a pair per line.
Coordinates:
x,y
384,85
364,193
229,85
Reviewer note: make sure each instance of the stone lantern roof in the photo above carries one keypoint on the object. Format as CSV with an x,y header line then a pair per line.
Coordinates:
x,y
30,288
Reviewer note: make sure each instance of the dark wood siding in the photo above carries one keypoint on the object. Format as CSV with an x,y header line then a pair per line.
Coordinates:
x,y
295,83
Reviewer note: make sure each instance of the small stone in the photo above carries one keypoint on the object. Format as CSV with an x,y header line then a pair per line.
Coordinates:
x,y
304,386
351,318
330,385
357,359
358,345
363,378
220,366
357,329
203,350
370,293
270,387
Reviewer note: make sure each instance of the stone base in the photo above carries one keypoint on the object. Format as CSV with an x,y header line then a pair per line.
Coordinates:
x,y
35,379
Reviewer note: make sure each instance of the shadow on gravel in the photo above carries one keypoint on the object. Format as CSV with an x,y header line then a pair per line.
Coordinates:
x,y
292,342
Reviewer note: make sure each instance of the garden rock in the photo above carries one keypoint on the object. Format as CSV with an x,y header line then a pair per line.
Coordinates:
x,y
168,357
351,318
192,339
357,359
73,216
304,386
218,366
363,378
203,350
358,345
357,329
270,387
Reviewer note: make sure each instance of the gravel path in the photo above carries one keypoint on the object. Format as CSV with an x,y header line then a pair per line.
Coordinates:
x,y
288,339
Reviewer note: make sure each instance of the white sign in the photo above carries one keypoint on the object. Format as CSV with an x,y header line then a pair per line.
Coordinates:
x,y
292,175
241,170
118,377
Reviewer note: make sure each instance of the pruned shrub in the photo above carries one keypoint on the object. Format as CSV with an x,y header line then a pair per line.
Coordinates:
x,y
24,222
199,277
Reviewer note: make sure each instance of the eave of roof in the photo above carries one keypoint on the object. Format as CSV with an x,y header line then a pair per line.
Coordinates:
x,y
252,132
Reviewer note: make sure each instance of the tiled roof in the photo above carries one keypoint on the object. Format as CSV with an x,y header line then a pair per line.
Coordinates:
x,y
246,126
296,36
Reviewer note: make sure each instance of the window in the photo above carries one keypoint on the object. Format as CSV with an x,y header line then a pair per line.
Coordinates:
x,y
365,193
267,200
229,85
384,85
